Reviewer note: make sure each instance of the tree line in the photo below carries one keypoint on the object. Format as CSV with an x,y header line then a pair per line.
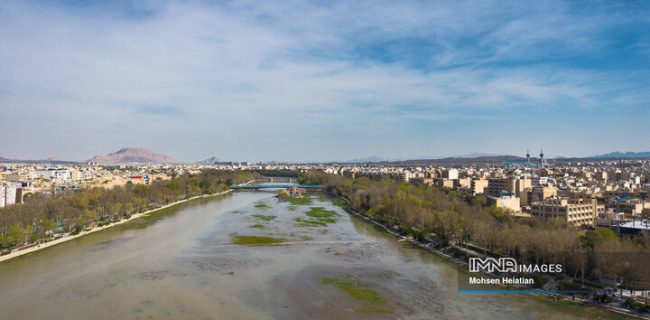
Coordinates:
x,y
453,220
71,211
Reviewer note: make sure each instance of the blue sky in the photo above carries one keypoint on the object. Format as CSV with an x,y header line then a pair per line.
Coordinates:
x,y
336,80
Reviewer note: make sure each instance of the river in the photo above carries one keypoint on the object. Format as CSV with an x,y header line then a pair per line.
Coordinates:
x,y
182,264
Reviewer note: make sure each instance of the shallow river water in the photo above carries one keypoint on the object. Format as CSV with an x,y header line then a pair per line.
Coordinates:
x,y
182,264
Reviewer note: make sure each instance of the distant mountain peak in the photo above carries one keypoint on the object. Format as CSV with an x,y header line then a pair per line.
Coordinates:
x,y
131,150
131,155
479,155
366,160
625,155
208,161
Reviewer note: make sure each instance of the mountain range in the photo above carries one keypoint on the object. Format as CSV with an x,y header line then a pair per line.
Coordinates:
x,y
366,160
146,156
497,159
48,160
625,155
132,156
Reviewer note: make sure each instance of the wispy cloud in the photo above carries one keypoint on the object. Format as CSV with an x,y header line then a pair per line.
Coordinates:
x,y
267,68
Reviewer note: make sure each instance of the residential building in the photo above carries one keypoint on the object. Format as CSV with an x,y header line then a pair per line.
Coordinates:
x,y
575,212
510,203
479,186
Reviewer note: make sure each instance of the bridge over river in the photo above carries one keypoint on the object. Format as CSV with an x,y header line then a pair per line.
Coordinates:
x,y
274,183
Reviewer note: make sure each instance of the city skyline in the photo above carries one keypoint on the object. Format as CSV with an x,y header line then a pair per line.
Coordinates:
x,y
297,81
145,153
343,159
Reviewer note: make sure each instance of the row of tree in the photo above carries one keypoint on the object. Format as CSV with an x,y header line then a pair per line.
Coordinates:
x,y
425,211
72,211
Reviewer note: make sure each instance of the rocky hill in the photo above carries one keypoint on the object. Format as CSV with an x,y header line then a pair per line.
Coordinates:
x,y
209,161
133,156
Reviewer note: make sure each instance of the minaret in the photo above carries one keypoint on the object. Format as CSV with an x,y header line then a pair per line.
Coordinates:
x,y
541,158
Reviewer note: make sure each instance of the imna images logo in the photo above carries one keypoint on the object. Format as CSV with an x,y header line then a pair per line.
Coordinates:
x,y
506,265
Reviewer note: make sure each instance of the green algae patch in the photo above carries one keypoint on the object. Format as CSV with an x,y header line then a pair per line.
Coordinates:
x,y
257,226
317,217
256,240
305,201
304,222
374,302
264,217
262,205
321,213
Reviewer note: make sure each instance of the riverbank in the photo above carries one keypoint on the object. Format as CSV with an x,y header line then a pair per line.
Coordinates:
x,y
568,301
18,253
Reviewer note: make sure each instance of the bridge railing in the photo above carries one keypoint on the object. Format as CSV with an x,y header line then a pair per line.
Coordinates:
x,y
275,186
277,180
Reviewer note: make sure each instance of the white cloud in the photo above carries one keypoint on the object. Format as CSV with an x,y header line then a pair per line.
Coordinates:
x,y
267,67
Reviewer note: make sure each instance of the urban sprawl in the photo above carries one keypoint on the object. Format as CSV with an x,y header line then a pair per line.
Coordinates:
x,y
607,193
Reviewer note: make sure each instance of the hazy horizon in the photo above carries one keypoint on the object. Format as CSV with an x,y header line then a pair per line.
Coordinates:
x,y
533,155
302,81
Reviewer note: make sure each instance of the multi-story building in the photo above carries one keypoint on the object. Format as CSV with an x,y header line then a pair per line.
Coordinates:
x,y
536,194
451,174
498,186
444,183
463,183
510,203
539,181
632,207
479,186
575,212
54,174
11,194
